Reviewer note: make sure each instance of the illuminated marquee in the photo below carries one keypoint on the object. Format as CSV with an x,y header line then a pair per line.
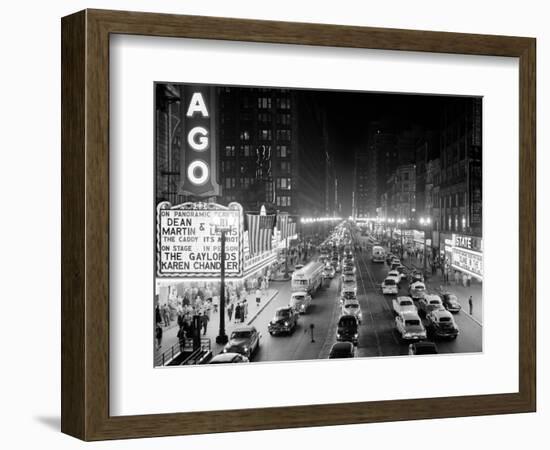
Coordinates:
x,y
198,176
188,244
467,255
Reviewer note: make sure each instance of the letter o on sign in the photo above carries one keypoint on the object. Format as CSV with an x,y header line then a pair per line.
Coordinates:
x,y
198,172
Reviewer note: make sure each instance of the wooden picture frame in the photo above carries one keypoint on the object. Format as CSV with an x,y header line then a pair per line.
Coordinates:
x,y
85,224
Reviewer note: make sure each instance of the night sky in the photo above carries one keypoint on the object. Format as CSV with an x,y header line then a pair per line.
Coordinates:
x,y
348,117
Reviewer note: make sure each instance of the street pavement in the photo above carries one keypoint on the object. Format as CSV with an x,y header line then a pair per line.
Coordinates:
x,y
377,334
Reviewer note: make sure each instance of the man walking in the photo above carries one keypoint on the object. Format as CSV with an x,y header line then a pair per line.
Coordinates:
x,y
204,322
471,305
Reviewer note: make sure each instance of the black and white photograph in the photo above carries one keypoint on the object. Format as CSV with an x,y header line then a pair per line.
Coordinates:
x,y
299,224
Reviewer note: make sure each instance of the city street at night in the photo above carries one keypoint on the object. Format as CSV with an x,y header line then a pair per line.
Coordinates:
x,y
286,230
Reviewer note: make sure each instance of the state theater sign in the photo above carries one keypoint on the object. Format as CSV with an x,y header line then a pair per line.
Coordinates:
x,y
189,244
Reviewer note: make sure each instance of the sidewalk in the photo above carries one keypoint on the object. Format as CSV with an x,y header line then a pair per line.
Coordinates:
x,y
433,282
170,333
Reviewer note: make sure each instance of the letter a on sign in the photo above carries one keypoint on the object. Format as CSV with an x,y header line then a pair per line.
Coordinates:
x,y
197,105
199,150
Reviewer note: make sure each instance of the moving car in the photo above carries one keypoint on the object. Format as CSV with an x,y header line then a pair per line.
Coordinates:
x,y
416,276
403,304
409,326
349,283
450,302
402,271
244,340
353,308
441,324
285,321
349,269
348,294
395,274
329,272
390,285
300,301
348,329
429,303
342,350
417,290
227,358
423,348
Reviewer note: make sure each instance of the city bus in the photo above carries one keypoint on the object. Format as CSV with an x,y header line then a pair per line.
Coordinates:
x,y
309,278
378,254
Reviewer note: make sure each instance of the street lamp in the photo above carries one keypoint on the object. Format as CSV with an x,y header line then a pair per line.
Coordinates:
x,y
425,222
223,230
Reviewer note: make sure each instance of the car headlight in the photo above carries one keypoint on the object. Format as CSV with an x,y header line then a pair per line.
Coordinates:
x,y
356,335
337,335
224,350
286,324
245,349
407,334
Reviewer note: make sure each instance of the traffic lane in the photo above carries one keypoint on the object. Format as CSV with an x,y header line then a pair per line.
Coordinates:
x,y
377,335
470,339
299,345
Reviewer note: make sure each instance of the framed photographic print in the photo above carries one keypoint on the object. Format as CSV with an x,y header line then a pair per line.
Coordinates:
x,y
272,225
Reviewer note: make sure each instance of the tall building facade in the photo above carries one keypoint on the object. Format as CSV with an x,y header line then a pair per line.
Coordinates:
x,y
361,184
460,189
273,150
381,161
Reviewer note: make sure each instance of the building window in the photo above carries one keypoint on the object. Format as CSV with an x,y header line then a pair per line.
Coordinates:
x,y
283,103
228,166
283,151
283,200
246,102
283,183
283,119
284,166
245,150
264,117
269,192
245,135
230,150
264,102
230,182
283,135
264,134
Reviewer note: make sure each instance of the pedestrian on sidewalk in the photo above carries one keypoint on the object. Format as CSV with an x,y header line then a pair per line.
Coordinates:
x,y
181,338
158,317
258,297
158,336
204,322
244,312
469,280
230,311
457,277
471,305
238,312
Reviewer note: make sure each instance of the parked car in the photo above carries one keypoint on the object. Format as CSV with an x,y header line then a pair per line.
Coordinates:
x,y
450,302
429,303
353,308
300,301
440,323
348,329
409,326
423,348
342,350
390,285
244,340
417,290
285,321
228,358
